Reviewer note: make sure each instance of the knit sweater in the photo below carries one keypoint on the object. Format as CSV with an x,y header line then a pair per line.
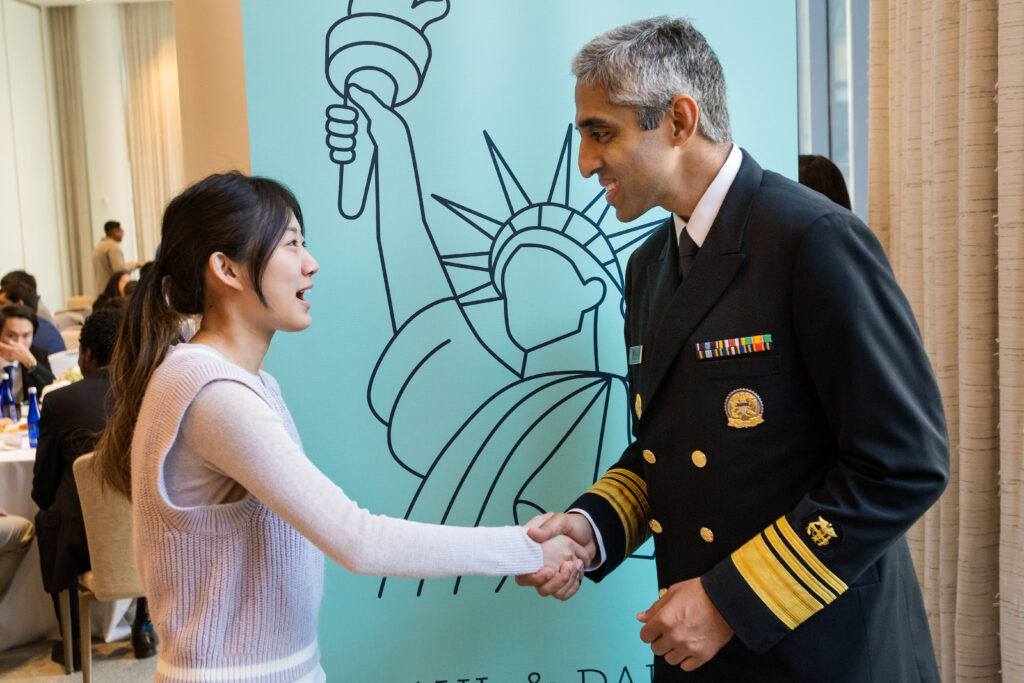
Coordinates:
x,y
234,588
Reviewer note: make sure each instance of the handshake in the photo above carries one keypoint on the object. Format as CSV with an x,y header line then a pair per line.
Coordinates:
x,y
567,540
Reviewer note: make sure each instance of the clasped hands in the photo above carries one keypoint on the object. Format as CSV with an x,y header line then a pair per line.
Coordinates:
x,y
683,625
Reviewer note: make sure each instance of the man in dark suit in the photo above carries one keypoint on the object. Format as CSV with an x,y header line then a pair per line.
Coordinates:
x,y
788,425
71,422
27,364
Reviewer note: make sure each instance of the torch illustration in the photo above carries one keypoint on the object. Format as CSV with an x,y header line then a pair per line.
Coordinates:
x,y
380,46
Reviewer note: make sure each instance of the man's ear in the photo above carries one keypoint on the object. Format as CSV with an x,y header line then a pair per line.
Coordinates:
x,y
683,114
226,271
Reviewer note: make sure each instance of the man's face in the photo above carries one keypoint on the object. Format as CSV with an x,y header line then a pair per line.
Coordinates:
x,y
17,331
638,169
117,234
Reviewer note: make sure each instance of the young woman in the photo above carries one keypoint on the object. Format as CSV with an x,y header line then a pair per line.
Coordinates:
x,y
230,517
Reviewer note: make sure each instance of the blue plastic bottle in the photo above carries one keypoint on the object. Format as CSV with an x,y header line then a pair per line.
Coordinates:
x,y
33,418
8,408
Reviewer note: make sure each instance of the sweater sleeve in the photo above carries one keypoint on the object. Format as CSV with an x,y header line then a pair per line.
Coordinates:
x,y
237,434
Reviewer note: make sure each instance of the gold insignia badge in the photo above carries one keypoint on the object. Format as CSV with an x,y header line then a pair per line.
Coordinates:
x,y
821,531
744,408
638,407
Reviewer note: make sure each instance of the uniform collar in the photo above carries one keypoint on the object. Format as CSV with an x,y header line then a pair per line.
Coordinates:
x,y
711,201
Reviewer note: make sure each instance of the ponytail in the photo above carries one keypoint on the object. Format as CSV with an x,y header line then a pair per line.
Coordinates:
x,y
147,330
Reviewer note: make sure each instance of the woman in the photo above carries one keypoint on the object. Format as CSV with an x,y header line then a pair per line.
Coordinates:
x,y
114,288
224,498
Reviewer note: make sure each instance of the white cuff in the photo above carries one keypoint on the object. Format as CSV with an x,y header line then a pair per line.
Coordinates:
x,y
597,539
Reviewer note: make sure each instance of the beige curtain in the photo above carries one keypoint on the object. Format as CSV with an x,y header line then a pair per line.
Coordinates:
x,y
154,115
945,197
74,172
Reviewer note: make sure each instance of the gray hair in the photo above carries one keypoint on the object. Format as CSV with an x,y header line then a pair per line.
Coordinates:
x,y
646,63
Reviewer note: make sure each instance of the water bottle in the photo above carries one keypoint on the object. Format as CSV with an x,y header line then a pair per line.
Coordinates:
x,y
8,408
33,418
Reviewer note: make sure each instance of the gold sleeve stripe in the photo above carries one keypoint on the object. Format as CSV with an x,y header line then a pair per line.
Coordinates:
x,y
627,494
796,566
771,581
809,558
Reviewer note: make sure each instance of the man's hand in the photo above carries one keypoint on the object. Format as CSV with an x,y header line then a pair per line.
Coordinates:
x,y
684,626
16,352
562,584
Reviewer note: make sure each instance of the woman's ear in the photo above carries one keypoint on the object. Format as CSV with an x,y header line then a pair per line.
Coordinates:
x,y
225,271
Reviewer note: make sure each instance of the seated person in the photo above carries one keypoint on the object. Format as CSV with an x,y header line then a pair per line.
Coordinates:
x,y
29,280
819,173
15,535
46,334
70,426
27,364
114,288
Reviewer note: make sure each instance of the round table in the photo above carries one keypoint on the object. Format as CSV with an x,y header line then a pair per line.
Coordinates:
x,y
26,613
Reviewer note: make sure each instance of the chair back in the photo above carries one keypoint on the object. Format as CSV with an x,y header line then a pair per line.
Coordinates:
x,y
71,336
80,302
108,530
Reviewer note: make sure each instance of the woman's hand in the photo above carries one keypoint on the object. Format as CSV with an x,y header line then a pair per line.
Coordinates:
x,y
568,558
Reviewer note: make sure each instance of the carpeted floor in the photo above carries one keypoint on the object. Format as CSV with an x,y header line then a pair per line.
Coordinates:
x,y
111,663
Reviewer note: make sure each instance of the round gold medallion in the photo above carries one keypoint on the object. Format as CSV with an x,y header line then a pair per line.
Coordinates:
x,y
744,408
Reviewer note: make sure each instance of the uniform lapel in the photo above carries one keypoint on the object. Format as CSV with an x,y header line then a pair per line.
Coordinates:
x,y
714,267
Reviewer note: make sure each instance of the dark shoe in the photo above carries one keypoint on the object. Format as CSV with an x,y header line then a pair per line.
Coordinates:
x,y
57,654
144,641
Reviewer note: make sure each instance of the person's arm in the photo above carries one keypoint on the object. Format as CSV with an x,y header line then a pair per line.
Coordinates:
x,y
862,348
38,374
246,441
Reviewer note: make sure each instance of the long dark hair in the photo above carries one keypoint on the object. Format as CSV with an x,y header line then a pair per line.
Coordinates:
x,y
819,173
240,216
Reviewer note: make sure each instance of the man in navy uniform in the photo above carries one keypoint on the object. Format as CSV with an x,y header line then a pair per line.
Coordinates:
x,y
788,425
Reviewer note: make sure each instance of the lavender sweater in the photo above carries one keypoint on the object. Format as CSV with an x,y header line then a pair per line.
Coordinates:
x,y
234,588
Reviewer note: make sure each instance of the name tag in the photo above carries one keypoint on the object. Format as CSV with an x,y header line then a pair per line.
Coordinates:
x,y
636,355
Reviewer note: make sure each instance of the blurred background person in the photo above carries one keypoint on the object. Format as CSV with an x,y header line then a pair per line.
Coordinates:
x,y
107,256
26,363
69,427
29,280
46,334
115,287
819,173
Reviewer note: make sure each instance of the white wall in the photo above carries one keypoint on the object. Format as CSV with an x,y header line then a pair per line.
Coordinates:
x,y
32,223
106,138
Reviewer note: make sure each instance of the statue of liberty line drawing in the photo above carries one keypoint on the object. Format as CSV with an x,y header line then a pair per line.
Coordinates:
x,y
503,386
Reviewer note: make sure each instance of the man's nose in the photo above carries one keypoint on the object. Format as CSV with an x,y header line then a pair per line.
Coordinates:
x,y
588,161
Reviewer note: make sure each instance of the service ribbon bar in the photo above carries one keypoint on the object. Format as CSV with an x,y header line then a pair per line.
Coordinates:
x,y
734,347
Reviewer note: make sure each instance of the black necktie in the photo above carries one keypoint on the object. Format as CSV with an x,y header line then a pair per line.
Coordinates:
x,y
687,250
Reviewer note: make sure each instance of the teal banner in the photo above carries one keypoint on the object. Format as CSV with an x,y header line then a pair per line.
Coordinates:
x,y
466,364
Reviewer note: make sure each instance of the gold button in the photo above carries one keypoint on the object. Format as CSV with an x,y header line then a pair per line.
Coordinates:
x,y
655,527
638,405
699,459
707,534
649,457
662,592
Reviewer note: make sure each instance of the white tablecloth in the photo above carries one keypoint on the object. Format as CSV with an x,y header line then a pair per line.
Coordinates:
x,y
26,613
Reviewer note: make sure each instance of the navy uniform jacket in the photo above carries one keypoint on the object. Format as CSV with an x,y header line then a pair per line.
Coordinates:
x,y
785,469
